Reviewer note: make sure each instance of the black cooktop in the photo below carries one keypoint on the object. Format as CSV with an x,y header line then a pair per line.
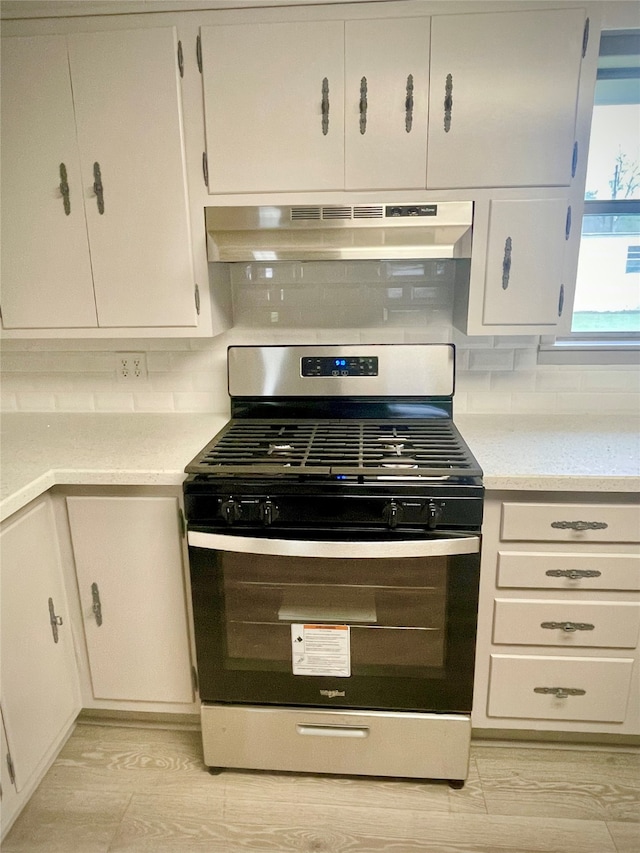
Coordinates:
x,y
430,447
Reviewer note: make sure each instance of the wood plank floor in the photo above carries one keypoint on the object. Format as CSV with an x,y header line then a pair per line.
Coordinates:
x,y
123,788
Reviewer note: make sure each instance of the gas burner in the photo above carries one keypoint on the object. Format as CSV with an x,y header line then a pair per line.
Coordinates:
x,y
399,462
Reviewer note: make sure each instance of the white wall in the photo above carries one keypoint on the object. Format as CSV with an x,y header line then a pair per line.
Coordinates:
x,y
311,303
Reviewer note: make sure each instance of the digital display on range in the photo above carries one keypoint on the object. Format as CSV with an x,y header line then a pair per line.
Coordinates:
x,y
354,365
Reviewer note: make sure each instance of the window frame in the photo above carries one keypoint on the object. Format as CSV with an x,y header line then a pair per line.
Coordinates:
x,y
601,347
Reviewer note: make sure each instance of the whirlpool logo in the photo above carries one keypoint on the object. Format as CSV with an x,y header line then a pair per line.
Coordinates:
x,y
332,693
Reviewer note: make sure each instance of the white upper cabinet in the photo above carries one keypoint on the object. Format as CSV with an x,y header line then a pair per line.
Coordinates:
x,y
101,114
274,106
386,101
320,106
525,254
128,114
46,267
503,97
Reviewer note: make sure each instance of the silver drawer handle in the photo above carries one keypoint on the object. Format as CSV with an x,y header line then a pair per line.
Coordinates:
x,y
580,525
332,731
568,626
573,574
560,692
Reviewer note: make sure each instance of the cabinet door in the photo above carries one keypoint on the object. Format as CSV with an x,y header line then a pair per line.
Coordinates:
x,y
274,106
503,97
525,251
46,270
130,577
386,99
40,696
128,113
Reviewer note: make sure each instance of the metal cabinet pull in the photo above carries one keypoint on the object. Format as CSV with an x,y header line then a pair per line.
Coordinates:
x,y
408,105
579,525
448,102
574,160
567,224
98,188
569,627
325,106
363,106
97,605
561,301
573,574
180,59
54,621
561,692
64,189
506,263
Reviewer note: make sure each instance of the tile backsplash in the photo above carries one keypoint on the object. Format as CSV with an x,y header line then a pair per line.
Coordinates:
x,y
328,302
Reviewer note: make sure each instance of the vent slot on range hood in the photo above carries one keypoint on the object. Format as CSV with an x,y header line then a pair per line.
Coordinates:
x,y
340,232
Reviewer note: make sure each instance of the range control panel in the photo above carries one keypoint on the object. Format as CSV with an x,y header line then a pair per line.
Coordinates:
x,y
339,366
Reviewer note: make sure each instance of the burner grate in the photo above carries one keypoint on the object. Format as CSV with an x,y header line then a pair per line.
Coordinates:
x,y
425,447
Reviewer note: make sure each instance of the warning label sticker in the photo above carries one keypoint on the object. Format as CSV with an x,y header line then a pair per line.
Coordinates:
x,y
321,650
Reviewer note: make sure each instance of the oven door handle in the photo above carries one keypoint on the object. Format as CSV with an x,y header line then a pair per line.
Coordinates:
x,y
434,546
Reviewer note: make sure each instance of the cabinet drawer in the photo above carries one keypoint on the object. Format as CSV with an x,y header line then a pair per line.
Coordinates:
x,y
517,683
555,570
571,522
604,624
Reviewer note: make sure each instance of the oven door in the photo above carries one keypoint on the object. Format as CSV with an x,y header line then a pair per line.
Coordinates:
x,y
382,622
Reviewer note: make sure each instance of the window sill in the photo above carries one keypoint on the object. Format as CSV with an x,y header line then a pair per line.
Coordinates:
x,y
589,351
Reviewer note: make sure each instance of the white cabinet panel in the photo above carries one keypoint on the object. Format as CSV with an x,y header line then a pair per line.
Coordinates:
x,y
130,549
525,251
111,99
126,96
503,97
386,65
46,269
559,570
263,92
602,686
40,696
571,522
566,623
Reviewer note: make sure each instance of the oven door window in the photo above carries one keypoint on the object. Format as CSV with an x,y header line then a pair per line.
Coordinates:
x,y
395,611
405,629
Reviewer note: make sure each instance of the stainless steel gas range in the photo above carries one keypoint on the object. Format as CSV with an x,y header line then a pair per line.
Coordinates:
x,y
334,547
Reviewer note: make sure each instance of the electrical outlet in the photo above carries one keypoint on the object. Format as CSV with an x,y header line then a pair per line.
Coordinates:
x,y
131,366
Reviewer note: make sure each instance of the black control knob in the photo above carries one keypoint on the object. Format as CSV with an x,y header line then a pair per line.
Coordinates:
x,y
434,514
392,514
268,511
230,510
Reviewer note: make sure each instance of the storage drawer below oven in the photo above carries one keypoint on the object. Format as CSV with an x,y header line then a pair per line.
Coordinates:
x,y
372,743
559,688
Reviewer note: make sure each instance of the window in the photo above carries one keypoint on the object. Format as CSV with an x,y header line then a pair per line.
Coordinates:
x,y
606,311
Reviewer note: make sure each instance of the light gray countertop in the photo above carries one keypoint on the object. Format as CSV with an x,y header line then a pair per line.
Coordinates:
x,y
528,452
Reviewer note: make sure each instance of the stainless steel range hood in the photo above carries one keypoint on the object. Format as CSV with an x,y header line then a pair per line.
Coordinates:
x,y
340,232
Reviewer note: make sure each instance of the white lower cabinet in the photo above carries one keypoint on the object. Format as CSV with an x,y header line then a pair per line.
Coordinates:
x,y
40,692
130,573
559,615
560,688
